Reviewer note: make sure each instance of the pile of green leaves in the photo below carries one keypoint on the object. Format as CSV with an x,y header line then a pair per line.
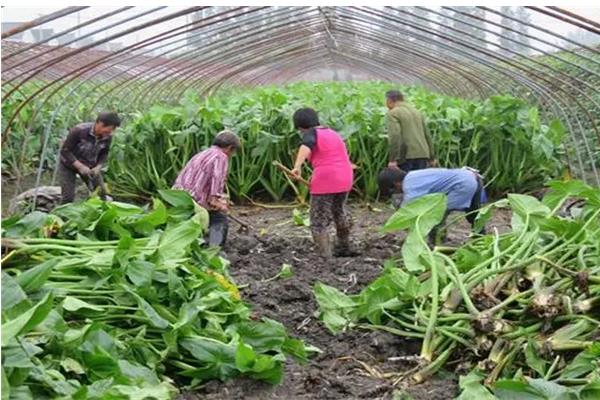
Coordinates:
x,y
114,301
517,308
501,136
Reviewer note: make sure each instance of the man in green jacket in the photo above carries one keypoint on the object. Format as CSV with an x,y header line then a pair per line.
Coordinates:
x,y
409,141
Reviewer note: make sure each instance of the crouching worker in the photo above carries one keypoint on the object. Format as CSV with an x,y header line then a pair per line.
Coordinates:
x,y
330,183
204,178
463,186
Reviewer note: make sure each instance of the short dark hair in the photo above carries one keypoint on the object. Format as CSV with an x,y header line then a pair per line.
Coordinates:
x,y
387,178
394,95
225,139
306,118
109,119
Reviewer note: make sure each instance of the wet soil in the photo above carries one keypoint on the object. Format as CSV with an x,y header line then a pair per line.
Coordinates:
x,y
356,364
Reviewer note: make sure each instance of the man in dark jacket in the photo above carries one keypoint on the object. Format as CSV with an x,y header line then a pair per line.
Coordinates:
x,y
410,144
85,152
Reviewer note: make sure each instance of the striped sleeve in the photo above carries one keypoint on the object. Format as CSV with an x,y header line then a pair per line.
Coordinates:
x,y
218,177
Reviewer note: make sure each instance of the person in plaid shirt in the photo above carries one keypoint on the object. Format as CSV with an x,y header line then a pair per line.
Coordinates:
x,y
204,178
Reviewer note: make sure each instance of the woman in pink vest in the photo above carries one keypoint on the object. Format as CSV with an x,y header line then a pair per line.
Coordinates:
x,y
330,183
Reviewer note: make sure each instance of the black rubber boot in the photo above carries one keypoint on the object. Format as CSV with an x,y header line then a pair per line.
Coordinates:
x,y
217,229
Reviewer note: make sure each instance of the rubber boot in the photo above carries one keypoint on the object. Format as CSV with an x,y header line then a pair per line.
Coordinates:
x,y
217,229
322,245
343,247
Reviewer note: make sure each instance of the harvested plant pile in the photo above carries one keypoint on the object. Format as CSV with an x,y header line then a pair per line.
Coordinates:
x,y
111,300
520,310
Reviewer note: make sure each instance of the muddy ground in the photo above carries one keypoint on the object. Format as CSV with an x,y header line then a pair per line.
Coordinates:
x,y
354,365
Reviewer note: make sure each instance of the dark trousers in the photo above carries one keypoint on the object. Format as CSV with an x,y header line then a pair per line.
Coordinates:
x,y
67,178
414,164
471,216
218,226
325,208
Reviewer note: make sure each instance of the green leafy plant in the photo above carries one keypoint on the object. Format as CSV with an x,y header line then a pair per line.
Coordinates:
x,y
122,302
286,272
519,307
300,218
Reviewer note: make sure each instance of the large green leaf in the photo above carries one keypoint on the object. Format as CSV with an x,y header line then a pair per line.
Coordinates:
x,y
534,361
177,198
427,210
561,190
34,278
28,226
472,389
19,355
262,336
148,222
335,308
591,391
584,363
177,238
73,304
155,319
162,391
27,321
100,364
218,357
12,293
533,389
421,216
527,205
140,272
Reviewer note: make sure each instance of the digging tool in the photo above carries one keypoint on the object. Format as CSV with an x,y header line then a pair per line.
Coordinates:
x,y
94,182
246,228
288,172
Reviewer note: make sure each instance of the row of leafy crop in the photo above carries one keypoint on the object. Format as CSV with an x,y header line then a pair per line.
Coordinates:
x,y
115,301
41,122
502,136
580,98
519,311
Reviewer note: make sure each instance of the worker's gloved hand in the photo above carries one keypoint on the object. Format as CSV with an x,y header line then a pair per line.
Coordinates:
x,y
83,170
223,205
219,204
97,170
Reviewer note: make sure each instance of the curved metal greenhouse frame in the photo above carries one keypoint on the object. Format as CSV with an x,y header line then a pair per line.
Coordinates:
x,y
206,48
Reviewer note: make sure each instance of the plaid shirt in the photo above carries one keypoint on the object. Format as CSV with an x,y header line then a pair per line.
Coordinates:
x,y
204,176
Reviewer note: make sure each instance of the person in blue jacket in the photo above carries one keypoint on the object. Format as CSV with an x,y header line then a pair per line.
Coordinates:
x,y
463,186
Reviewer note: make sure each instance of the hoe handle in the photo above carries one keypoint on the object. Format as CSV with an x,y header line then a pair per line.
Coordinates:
x,y
289,172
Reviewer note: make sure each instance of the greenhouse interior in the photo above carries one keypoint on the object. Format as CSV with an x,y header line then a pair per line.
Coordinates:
x,y
300,202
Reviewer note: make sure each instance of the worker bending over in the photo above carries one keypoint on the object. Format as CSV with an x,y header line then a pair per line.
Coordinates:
x,y
204,178
463,186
